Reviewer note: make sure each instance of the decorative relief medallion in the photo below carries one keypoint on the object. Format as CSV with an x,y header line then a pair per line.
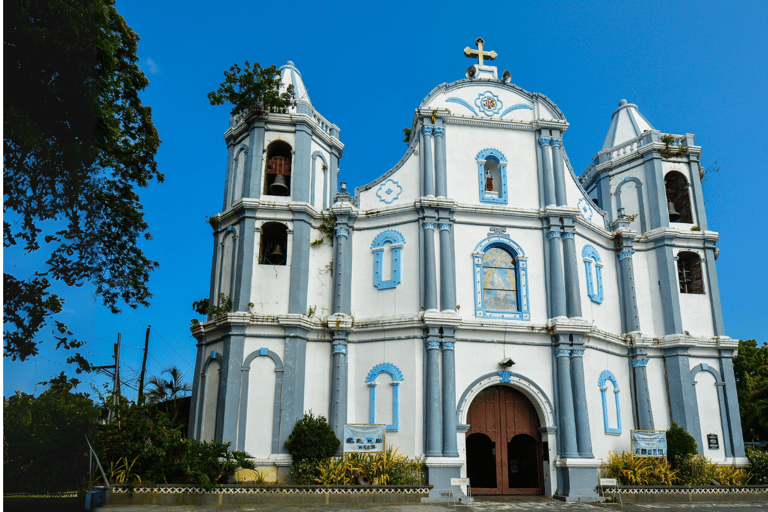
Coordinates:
x,y
584,208
389,191
488,103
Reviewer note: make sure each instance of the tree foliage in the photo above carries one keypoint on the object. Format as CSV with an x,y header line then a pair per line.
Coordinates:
x,y
160,389
751,369
312,439
77,141
680,444
44,447
252,91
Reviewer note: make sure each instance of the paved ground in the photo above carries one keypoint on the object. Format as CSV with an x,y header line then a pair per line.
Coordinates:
x,y
494,504
479,505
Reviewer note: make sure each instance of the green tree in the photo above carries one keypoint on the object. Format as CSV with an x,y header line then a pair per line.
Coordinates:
x,y
44,448
171,389
751,369
252,91
77,142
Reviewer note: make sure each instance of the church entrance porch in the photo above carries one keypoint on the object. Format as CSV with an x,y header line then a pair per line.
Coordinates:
x,y
504,448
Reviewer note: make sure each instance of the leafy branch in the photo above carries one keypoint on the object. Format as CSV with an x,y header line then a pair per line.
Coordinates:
x,y
252,91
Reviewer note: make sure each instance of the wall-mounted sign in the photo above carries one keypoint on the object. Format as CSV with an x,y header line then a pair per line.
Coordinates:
x,y
649,443
714,444
364,438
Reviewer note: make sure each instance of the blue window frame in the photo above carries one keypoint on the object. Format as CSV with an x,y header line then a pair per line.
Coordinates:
x,y
501,279
396,242
397,377
492,176
594,270
602,382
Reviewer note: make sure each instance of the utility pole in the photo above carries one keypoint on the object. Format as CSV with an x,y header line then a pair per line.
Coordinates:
x,y
116,382
143,366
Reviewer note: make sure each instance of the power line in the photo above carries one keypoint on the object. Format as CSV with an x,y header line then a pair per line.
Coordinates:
x,y
162,338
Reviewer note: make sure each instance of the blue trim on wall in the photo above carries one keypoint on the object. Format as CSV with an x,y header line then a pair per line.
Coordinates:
x,y
601,382
389,191
594,285
276,402
396,241
516,106
397,377
462,103
498,157
521,268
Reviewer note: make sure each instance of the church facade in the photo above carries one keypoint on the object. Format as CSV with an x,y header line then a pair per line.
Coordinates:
x,y
506,320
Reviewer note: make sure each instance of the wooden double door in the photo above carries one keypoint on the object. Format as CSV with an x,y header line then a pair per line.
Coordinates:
x,y
504,449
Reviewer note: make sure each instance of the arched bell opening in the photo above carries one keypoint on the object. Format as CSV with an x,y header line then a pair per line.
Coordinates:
x,y
678,198
274,240
278,175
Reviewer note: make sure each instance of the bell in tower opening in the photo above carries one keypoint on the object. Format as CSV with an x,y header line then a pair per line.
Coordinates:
x,y
278,182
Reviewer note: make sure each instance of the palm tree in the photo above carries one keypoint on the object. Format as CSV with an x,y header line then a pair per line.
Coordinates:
x,y
164,390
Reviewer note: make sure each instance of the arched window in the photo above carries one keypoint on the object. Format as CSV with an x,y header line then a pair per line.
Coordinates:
x,y
385,275
396,378
594,271
611,408
501,279
278,180
274,240
678,198
492,174
689,273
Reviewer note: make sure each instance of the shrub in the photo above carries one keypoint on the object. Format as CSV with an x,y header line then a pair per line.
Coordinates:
x,y
698,470
631,469
679,444
312,439
758,466
304,472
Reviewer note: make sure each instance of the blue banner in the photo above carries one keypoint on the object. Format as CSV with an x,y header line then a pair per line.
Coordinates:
x,y
647,443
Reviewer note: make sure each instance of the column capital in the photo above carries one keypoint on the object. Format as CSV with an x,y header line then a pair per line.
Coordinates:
x,y
438,131
553,234
624,255
448,345
567,235
556,141
433,345
545,141
562,353
429,225
339,349
577,353
427,129
341,232
444,227
639,362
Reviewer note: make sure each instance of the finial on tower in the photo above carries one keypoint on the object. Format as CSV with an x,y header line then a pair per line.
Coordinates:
x,y
479,53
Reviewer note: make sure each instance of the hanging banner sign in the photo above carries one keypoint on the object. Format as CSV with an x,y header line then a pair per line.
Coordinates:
x,y
649,443
364,438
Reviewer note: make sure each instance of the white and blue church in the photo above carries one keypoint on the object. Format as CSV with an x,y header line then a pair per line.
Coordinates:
x,y
508,321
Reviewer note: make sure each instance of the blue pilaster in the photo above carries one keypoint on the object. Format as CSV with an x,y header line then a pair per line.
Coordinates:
x,y
630,313
732,403
546,171
642,394
292,401
339,382
580,410
334,170
253,167
568,447
246,244
714,289
229,387
449,394
447,274
557,170
668,285
341,269
682,395
302,164
556,281
432,398
430,274
229,176
654,177
441,176
573,292
698,193
427,171
192,431
299,284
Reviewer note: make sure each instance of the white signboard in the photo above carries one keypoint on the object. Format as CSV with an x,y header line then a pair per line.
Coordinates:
x,y
649,443
364,438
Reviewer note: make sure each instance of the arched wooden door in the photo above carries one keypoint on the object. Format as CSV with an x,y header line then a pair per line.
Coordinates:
x,y
504,444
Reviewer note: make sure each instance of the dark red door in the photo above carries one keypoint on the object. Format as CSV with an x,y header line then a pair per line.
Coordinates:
x,y
504,444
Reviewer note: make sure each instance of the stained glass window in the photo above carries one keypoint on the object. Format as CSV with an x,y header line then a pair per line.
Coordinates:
x,y
499,280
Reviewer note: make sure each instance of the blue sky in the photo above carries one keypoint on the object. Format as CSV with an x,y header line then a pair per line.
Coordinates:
x,y
691,67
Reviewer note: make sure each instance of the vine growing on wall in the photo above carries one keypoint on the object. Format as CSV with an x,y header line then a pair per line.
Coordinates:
x,y
327,228
669,150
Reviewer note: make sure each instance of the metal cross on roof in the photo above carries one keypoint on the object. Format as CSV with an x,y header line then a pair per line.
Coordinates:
x,y
479,53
